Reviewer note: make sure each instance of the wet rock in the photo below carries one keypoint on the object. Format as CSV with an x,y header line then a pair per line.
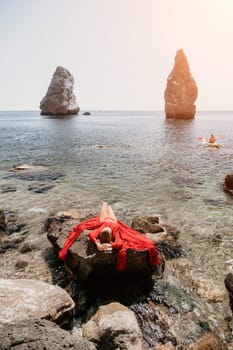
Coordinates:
x,y
8,188
181,90
9,244
34,173
25,248
173,316
67,215
25,299
155,328
165,237
40,334
13,223
228,183
176,299
86,113
40,187
229,286
21,264
114,326
208,341
146,224
206,288
167,346
60,99
3,226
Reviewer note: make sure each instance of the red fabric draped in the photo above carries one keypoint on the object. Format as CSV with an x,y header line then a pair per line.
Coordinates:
x,y
123,238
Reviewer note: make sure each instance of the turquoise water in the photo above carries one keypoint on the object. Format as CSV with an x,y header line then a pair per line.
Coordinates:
x,y
146,165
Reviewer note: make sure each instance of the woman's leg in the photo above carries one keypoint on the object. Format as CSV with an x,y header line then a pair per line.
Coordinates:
x,y
111,213
103,212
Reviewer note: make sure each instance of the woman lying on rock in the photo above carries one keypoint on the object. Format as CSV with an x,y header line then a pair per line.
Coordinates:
x,y
109,233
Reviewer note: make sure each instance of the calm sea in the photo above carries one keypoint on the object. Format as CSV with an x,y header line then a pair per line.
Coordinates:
x,y
148,165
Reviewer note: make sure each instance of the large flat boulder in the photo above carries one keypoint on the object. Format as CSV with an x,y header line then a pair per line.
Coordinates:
x,y
40,334
86,264
25,299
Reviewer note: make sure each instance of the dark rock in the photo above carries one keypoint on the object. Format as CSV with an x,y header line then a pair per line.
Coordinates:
x,y
27,247
9,244
7,188
40,335
86,113
40,187
181,90
155,330
228,183
229,286
15,228
3,226
21,264
176,299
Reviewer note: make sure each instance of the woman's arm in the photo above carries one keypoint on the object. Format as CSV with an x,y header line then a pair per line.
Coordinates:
x,y
75,233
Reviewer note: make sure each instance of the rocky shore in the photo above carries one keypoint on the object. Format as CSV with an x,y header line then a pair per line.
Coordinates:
x,y
85,304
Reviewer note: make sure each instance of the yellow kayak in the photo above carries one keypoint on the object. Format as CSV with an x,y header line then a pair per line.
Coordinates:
x,y
210,144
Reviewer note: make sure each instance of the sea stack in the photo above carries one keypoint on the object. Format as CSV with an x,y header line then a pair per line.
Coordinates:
x,y
181,91
60,99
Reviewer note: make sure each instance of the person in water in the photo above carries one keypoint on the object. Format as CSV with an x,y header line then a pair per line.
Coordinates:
x,y
109,233
212,139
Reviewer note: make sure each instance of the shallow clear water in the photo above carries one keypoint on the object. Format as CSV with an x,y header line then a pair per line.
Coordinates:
x,y
151,166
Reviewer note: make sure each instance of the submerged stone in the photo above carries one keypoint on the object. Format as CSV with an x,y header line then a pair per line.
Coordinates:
x,y
176,299
34,173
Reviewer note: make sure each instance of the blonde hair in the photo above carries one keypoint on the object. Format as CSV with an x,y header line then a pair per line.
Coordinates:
x,y
105,235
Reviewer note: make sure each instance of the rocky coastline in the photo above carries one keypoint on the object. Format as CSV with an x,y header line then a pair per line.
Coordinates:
x,y
48,304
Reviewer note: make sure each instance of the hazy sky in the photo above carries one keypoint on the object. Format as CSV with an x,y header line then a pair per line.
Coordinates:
x,y
120,52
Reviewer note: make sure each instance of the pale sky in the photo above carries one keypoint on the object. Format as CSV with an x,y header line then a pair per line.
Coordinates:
x,y
120,52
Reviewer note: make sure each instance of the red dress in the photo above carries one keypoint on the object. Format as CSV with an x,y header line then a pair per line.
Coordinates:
x,y
123,238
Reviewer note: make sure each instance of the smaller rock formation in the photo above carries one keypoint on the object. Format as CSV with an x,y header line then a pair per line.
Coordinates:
x,y
114,326
86,113
60,99
181,90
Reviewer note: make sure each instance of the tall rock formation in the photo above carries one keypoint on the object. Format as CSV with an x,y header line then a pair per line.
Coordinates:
x,y
181,90
60,99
